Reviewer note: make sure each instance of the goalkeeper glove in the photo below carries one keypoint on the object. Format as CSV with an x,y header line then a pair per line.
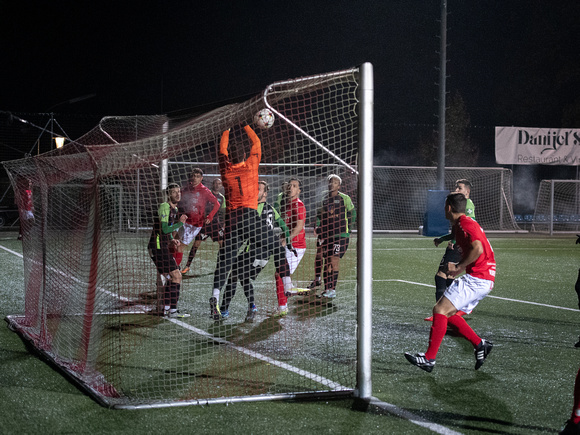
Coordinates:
x,y
292,249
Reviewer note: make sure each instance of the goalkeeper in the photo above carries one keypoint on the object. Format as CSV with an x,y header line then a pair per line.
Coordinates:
x,y
161,243
452,252
240,180
251,262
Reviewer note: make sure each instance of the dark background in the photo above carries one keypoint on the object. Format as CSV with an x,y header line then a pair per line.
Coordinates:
x,y
513,62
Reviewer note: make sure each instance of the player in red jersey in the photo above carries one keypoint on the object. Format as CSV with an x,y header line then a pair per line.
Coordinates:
x,y
195,199
478,262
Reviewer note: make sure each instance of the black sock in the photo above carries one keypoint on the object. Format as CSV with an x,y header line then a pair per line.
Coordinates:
x,y
440,286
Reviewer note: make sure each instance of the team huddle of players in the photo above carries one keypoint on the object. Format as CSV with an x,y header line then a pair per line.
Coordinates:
x,y
249,231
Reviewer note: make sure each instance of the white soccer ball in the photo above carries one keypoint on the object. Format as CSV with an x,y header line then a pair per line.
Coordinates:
x,y
264,118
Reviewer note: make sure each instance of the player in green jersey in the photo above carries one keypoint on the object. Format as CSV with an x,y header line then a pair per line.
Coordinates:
x,y
452,252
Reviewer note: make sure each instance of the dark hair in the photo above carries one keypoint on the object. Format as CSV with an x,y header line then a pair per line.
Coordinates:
x,y
197,171
266,186
457,201
465,182
295,179
171,186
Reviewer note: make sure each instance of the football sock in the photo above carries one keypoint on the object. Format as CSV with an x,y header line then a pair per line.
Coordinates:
x,y
216,293
174,294
317,268
178,257
249,292
438,330
578,288
576,408
449,281
191,256
287,283
440,286
282,299
464,329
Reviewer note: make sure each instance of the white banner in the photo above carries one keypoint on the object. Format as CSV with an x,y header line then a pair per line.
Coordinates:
x,y
537,146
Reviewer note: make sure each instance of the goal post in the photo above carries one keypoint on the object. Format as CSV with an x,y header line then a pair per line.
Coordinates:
x,y
400,199
95,301
557,207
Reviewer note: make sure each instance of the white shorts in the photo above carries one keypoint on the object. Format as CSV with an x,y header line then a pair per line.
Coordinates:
x,y
466,292
293,260
187,233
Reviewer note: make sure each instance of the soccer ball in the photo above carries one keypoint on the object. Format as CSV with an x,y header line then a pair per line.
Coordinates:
x,y
264,119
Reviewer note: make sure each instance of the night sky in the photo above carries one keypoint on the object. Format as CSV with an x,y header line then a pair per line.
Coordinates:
x,y
514,62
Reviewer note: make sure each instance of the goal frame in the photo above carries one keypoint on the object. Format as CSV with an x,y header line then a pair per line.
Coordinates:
x,y
363,285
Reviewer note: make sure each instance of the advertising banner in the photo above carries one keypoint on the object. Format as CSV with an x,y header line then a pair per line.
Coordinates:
x,y
537,146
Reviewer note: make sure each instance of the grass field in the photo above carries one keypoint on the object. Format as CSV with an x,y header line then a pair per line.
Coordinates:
x,y
525,386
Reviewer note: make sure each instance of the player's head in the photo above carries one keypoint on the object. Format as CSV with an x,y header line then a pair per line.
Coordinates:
x,y
216,185
173,193
263,189
294,188
196,177
334,182
455,203
463,185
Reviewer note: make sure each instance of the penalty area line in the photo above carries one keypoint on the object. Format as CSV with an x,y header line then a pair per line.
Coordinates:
x,y
11,251
488,296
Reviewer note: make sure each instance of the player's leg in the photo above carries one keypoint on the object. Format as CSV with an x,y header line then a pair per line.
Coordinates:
x,y
196,244
318,264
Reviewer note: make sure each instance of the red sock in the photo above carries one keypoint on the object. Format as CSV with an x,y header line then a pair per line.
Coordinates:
x,y
178,257
282,299
576,407
438,330
464,329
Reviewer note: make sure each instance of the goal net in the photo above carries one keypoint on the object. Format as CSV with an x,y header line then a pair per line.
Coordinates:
x,y
100,286
400,198
557,206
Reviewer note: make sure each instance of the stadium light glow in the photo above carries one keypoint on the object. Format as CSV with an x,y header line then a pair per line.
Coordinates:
x,y
59,141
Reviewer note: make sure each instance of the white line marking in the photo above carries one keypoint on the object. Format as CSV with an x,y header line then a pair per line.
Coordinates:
x,y
395,410
317,378
489,296
11,251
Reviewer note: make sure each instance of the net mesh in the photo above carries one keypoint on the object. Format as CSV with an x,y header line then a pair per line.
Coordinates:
x,y
557,206
400,197
95,301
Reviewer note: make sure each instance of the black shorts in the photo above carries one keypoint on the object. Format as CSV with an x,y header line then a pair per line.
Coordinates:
x,y
163,260
452,255
334,247
214,231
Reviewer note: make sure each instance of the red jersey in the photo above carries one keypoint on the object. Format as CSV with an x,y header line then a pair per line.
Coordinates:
x,y
291,213
466,231
240,180
193,203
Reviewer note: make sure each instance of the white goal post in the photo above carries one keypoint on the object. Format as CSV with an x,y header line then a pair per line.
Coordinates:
x,y
95,302
557,207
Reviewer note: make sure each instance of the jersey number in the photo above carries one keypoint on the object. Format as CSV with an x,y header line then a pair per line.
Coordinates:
x,y
240,185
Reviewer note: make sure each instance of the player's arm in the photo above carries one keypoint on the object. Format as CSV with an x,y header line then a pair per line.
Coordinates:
x,y
166,228
216,206
476,249
350,210
256,150
282,225
445,238
298,226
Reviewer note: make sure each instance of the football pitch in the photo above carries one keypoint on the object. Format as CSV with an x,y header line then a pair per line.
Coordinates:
x,y
525,386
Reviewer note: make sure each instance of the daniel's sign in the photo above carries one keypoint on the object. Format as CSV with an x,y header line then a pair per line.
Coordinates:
x,y
537,146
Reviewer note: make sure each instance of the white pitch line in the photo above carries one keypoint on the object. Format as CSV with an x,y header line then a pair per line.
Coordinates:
x,y
11,251
395,410
488,296
317,378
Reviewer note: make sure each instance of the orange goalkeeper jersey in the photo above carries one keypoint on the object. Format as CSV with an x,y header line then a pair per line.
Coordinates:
x,y
240,180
